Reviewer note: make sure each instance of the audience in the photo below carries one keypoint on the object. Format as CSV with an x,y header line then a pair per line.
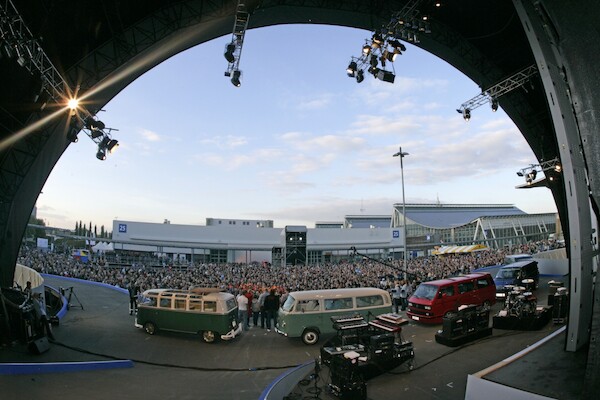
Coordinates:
x,y
235,277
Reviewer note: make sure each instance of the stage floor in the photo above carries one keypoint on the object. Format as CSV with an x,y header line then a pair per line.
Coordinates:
x,y
177,366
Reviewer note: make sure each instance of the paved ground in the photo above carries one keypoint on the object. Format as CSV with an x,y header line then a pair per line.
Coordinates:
x,y
173,366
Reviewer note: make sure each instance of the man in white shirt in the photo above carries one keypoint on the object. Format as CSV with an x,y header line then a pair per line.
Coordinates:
x,y
242,302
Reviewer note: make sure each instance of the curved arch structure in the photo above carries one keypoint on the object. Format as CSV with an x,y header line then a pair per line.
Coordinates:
x,y
109,44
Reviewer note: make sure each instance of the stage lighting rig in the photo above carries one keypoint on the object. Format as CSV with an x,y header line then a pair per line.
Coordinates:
x,y
551,169
492,94
18,40
233,50
385,46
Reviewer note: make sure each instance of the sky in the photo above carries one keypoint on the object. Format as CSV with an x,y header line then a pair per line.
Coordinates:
x,y
298,142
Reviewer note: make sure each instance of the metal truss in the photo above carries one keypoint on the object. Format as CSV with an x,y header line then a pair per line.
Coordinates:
x,y
406,24
18,41
491,95
532,170
233,50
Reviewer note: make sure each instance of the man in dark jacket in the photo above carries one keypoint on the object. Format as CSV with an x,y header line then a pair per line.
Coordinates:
x,y
271,308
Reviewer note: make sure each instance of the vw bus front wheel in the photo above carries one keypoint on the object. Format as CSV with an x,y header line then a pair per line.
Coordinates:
x,y
310,336
209,336
150,328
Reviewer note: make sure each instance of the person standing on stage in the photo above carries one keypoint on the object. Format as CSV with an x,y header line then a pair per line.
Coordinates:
x,y
396,300
242,302
271,308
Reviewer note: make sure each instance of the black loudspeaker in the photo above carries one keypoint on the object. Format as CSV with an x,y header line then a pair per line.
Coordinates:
x,y
39,346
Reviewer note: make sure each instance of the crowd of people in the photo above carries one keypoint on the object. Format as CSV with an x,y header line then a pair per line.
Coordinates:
x,y
235,277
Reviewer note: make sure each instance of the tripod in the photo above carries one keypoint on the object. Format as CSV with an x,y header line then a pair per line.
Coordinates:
x,y
71,293
315,390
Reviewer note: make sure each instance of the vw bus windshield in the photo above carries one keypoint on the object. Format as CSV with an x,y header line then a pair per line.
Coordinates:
x,y
425,291
507,273
289,304
231,304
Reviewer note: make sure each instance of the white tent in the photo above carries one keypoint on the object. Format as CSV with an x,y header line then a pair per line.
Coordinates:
x,y
103,247
460,249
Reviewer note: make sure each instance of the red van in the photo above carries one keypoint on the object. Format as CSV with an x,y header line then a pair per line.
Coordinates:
x,y
435,299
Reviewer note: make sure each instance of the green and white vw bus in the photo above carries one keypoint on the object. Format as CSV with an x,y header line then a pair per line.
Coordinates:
x,y
209,312
307,314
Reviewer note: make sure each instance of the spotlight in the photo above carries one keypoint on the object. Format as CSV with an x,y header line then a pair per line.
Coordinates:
x,y
531,176
360,76
377,40
229,49
373,60
390,56
101,154
466,114
351,70
397,45
235,79
73,103
95,125
72,135
386,76
366,49
374,71
104,142
557,168
96,134
494,105
112,145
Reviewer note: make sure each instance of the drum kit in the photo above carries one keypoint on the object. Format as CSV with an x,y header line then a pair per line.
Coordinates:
x,y
519,301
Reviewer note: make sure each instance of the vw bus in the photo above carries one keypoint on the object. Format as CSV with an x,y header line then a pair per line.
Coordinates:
x,y
209,312
433,300
307,314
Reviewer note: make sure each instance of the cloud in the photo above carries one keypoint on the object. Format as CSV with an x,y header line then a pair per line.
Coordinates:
x,y
318,103
150,136
224,142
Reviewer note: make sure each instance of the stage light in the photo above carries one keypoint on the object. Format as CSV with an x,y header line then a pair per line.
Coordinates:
x,y
72,135
95,125
466,114
390,56
377,40
557,168
104,142
373,60
351,70
112,145
366,49
374,71
494,105
360,76
397,45
101,154
229,49
531,176
385,76
235,78
73,103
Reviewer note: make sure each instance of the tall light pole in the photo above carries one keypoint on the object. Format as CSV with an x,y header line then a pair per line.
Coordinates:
x,y
401,154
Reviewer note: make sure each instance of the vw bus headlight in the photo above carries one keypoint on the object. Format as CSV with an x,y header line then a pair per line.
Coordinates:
x,y
428,307
410,304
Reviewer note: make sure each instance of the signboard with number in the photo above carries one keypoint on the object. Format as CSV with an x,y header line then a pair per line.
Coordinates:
x,y
122,228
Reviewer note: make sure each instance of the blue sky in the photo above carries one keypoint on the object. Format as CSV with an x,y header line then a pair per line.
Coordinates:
x,y
297,142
